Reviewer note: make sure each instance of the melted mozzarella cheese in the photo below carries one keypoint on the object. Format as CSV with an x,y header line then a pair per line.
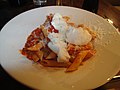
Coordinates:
x,y
66,33
78,36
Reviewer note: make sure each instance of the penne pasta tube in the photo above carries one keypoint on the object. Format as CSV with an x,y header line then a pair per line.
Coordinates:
x,y
54,63
36,47
44,30
52,55
89,54
35,58
79,58
40,54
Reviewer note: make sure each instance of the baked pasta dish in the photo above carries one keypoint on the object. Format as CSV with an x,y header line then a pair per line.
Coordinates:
x,y
58,42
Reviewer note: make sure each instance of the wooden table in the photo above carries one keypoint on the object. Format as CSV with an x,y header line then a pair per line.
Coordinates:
x,y
106,10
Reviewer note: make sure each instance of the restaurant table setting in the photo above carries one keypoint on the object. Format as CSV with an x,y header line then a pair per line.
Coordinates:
x,y
19,17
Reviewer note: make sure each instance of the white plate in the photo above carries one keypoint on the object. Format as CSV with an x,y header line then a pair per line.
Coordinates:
x,y
94,73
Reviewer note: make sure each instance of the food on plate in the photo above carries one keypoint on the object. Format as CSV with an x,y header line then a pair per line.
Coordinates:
x,y
58,42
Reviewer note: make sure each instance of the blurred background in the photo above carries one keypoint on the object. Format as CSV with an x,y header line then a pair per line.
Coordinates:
x,y
11,8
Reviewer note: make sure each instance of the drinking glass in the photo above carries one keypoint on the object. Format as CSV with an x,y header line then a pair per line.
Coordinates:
x,y
39,2
64,2
59,2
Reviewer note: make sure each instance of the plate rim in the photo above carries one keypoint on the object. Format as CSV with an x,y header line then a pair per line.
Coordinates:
x,y
33,10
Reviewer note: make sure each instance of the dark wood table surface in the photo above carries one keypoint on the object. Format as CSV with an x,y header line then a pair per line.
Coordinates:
x,y
8,12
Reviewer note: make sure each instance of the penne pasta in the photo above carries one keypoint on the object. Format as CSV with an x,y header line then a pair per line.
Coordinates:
x,y
78,60
52,55
36,47
89,54
40,54
52,47
54,63
35,58
44,30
